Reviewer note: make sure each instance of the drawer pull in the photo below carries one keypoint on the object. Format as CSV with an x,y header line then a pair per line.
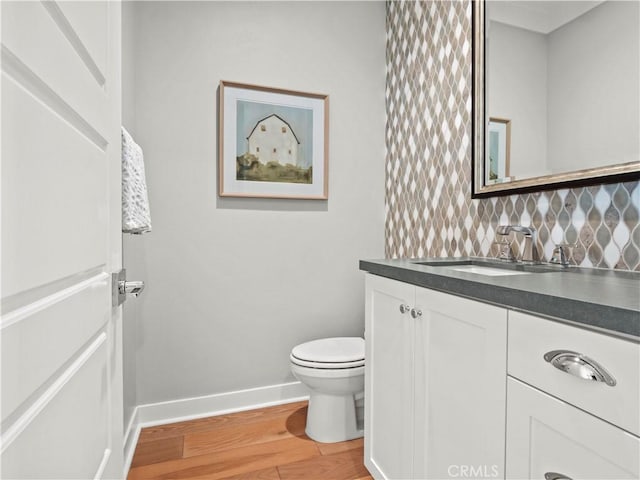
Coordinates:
x,y
579,365
555,476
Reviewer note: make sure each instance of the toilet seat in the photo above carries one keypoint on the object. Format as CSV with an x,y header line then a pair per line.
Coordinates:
x,y
326,365
330,353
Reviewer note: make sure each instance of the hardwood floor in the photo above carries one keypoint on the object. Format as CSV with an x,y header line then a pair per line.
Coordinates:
x,y
264,444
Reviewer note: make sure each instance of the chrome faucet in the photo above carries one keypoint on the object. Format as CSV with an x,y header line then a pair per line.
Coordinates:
x,y
530,253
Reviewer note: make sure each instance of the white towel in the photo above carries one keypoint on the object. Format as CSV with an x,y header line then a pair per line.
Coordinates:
x,y
136,217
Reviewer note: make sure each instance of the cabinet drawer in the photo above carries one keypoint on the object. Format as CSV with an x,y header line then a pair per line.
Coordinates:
x,y
530,338
548,438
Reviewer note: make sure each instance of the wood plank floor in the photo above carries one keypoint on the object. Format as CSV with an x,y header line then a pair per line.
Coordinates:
x,y
264,444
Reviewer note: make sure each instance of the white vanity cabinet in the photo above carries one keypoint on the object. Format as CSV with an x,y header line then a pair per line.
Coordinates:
x,y
435,384
570,426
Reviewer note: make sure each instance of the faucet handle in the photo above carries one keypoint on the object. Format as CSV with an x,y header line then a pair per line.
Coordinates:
x,y
559,255
505,252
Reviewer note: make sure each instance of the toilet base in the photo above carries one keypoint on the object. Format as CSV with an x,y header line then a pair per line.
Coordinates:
x,y
332,418
335,402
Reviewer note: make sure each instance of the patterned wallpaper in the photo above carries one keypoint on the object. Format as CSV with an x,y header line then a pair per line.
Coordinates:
x,y
429,210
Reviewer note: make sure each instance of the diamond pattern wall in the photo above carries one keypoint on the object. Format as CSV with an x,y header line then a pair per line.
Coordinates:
x,y
429,210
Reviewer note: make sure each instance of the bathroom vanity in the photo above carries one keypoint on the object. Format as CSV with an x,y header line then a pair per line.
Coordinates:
x,y
477,369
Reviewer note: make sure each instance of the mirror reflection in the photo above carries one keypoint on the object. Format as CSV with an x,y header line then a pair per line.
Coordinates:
x,y
562,87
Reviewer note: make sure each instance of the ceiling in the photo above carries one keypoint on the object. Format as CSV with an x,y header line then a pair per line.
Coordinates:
x,y
538,16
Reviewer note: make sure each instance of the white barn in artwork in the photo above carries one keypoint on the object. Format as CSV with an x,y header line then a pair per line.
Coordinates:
x,y
273,140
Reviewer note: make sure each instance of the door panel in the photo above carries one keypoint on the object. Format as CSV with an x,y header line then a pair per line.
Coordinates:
x,y
388,379
53,183
61,239
38,43
80,444
30,356
460,387
87,22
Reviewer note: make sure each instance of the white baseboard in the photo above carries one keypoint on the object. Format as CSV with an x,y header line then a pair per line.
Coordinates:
x,y
161,413
172,411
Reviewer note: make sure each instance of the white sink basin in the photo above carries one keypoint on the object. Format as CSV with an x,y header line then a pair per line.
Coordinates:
x,y
489,271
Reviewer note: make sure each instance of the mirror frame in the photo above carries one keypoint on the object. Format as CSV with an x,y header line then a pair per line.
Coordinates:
x,y
590,176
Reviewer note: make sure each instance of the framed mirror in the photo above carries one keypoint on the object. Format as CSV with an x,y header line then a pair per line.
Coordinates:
x,y
556,96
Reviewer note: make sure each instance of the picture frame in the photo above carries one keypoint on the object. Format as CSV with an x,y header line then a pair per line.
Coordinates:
x,y
273,142
498,150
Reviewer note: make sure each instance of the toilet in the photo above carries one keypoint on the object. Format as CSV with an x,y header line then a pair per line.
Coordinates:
x,y
333,369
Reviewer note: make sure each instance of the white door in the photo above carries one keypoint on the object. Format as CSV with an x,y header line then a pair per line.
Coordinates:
x,y
460,387
61,339
388,396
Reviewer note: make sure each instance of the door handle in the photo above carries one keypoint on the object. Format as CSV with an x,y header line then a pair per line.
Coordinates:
x,y
555,476
135,288
120,287
579,365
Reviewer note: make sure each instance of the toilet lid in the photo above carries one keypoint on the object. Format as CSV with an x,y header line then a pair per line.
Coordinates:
x,y
344,351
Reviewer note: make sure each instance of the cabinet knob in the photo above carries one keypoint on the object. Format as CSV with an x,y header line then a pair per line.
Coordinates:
x,y
404,308
415,313
555,476
579,365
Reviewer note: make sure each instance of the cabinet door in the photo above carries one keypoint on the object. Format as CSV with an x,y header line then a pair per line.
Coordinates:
x,y
546,436
460,389
388,379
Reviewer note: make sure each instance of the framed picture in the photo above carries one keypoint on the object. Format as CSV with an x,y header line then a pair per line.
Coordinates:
x,y
498,146
273,143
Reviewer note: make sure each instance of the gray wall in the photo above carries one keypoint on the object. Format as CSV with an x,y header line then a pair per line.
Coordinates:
x,y
517,80
572,95
593,89
233,284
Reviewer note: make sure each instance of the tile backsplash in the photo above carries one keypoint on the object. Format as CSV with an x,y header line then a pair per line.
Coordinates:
x,y
429,210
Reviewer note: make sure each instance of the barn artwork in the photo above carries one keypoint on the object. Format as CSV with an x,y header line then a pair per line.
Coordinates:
x,y
274,143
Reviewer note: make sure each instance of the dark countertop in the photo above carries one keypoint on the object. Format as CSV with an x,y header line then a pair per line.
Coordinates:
x,y
605,300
